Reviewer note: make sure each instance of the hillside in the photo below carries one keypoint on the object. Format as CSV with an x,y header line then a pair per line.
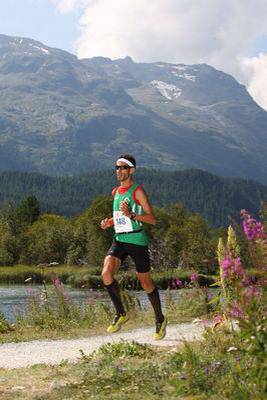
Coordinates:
x,y
60,115
214,197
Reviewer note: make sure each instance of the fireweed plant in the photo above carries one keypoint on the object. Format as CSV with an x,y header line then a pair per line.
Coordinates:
x,y
235,283
53,308
242,298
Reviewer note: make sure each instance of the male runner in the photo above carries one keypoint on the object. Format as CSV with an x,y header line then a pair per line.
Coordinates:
x,y
131,209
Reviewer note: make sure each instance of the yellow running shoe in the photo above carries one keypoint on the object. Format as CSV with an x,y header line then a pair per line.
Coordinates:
x,y
160,329
118,321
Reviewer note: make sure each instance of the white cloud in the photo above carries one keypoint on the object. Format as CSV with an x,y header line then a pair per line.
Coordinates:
x,y
217,32
255,68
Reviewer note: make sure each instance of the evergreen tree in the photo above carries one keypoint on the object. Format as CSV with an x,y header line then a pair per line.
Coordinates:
x,y
28,210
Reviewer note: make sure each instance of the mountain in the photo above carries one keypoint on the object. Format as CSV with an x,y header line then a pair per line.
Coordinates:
x,y
60,115
216,198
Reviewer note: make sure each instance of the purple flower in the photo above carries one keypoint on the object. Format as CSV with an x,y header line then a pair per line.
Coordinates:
x,y
173,284
204,323
218,319
176,283
253,229
209,296
232,268
30,291
179,283
194,277
57,283
226,265
236,312
246,281
252,291
238,268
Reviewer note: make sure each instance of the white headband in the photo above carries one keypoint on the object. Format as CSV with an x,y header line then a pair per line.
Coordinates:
x,y
126,161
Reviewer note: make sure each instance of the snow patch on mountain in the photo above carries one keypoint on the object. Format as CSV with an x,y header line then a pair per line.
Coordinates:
x,y
18,41
180,67
41,49
167,90
189,77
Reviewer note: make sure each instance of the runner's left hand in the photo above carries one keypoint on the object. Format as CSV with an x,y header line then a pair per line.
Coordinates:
x,y
125,209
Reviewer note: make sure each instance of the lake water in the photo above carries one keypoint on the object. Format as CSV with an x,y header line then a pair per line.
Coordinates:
x,y
14,298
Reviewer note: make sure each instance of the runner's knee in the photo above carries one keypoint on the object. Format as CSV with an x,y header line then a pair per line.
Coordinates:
x,y
108,270
145,281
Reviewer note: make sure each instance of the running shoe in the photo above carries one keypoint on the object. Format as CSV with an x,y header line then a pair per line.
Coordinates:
x,y
160,329
118,321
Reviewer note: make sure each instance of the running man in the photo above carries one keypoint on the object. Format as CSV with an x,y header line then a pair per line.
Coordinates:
x,y
131,209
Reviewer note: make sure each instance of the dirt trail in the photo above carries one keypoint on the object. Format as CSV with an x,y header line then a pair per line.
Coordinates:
x,y
24,354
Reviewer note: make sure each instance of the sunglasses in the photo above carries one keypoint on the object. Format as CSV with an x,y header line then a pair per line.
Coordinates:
x,y
122,167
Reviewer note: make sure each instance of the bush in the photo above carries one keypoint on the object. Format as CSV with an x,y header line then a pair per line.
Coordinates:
x,y
4,325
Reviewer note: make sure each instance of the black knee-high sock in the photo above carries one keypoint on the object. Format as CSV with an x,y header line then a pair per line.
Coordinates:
x,y
155,302
114,293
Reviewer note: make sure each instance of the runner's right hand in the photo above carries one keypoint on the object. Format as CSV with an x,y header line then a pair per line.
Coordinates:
x,y
105,223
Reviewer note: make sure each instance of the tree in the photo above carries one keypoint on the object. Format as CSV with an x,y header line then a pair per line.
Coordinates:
x,y
166,239
48,240
7,244
91,239
199,247
28,210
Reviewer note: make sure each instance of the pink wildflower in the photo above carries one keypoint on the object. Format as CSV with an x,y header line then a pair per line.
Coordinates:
x,y
226,265
236,312
238,268
57,282
232,268
30,291
253,229
209,296
218,319
194,277
179,283
173,284
246,281
204,323
252,291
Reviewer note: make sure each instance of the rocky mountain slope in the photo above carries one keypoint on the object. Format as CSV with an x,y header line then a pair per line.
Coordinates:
x,y
61,115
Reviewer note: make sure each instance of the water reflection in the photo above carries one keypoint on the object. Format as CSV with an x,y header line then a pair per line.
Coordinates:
x,y
13,298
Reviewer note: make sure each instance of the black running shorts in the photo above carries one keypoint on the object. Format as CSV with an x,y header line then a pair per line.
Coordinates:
x,y
138,253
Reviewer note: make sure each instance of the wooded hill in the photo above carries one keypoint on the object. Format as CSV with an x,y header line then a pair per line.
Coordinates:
x,y
61,115
216,198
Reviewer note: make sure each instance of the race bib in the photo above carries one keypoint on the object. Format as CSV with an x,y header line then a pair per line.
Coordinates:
x,y
121,223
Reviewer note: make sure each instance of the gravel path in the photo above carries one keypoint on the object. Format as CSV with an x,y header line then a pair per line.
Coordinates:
x,y
24,354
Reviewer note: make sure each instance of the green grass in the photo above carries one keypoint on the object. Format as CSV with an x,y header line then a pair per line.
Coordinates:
x,y
17,274
89,276
132,371
58,317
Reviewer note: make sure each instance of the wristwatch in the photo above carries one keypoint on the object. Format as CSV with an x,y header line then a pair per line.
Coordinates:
x,y
133,215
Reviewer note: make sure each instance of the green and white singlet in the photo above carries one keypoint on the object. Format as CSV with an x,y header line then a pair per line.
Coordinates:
x,y
128,230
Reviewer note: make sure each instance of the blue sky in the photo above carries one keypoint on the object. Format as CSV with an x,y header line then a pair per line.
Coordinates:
x,y
229,35
40,20
258,45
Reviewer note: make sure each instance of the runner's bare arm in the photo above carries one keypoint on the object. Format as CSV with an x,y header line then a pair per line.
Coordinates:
x,y
106,223
148,217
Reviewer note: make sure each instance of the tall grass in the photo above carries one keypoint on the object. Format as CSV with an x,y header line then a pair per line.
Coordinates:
x,y
90,277
17,274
